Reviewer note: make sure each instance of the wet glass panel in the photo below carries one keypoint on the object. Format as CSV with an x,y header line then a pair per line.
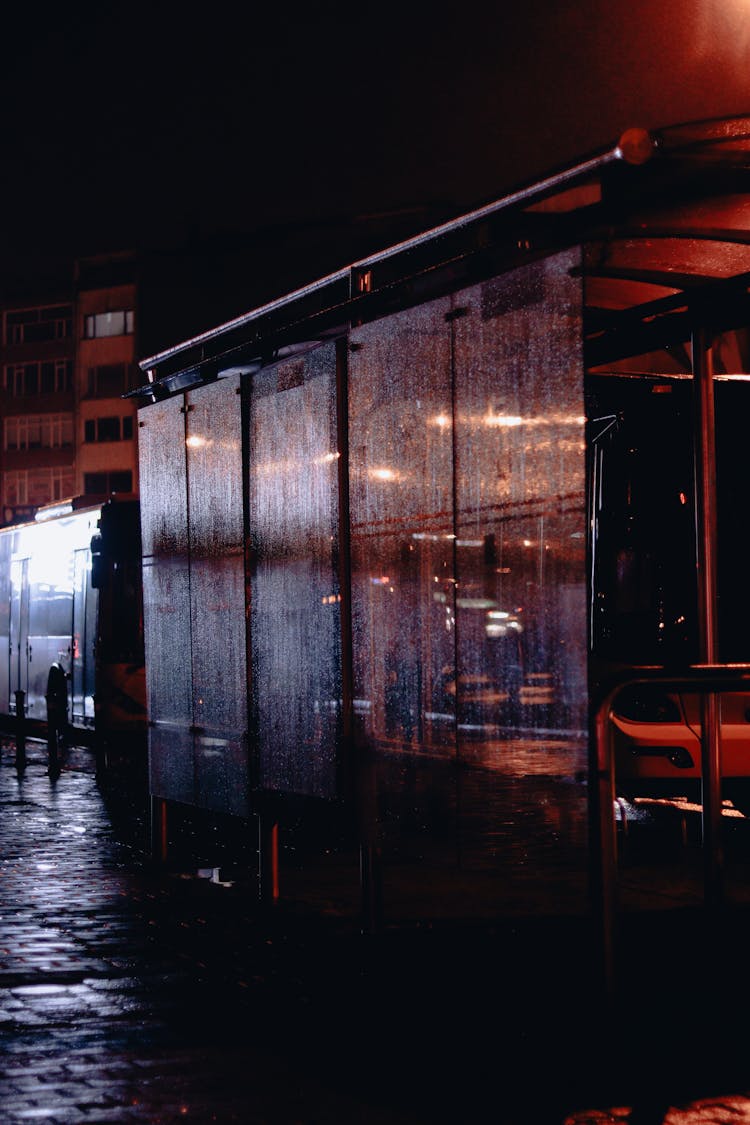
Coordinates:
x,y
82,678
487,597
644,611
51,545
645,601
645,598
217,595
18,625
732,399
645,608
161,454
217,592
295,606
521,605
89,644
401,504
166,615
5,615
403,606
214,468
166,599
731,353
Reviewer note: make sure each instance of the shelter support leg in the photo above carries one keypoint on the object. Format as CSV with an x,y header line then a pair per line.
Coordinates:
x,y
371,885
268,849
159,830
370,859
20,730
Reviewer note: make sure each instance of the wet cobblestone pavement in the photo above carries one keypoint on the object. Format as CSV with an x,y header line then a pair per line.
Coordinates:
x,y
132,993
128,994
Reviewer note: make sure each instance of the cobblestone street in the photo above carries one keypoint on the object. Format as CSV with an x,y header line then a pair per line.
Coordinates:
x,y
131,996
133,993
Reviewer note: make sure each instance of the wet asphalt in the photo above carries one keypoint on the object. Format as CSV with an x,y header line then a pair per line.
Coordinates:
x,y
136,992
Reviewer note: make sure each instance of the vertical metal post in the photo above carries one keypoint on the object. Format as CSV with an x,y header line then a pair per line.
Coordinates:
x,y
371,880
159,834
355,773
53,758
604,846
370,863
268,847
705,514
20,729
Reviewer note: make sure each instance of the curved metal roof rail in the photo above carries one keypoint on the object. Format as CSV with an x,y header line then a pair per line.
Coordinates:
x,y
634,147
725,142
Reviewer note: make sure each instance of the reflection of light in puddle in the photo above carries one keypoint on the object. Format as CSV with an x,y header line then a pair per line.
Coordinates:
x,y
638,808
707,1110
33,990
684,805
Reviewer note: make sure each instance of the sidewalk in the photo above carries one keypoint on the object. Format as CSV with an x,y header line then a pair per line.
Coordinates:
x,y
129,995
133,994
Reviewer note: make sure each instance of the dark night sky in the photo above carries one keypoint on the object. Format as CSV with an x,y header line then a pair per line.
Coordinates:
x,y
134,126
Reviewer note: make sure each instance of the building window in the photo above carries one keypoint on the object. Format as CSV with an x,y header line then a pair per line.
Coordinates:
x,y
117,323
109,380
102,484
37,486
27,326
38,431
52,377
108,429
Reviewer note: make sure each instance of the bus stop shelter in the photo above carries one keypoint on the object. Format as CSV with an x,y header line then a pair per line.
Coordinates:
x,y
390,594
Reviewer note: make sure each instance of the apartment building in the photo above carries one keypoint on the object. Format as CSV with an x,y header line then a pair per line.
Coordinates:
x,y
67,359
